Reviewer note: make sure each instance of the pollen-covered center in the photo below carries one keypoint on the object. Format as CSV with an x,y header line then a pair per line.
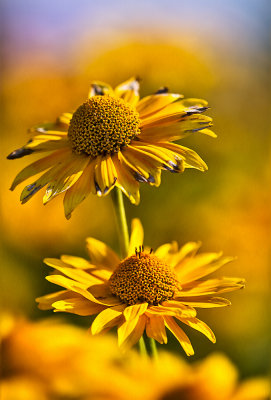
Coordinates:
x,y
102,125
143,278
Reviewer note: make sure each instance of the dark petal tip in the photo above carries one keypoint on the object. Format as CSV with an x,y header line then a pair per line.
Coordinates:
x,y
139,177
19,153
162,90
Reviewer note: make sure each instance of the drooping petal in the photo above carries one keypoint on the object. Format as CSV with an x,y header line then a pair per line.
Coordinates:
x,y
41,165
107,319
125,180
190,158
137,236
144,166
101,255
134,311
80,189
200,326
128,91
66,177
155,328
167,158
126,340
105,175
180,335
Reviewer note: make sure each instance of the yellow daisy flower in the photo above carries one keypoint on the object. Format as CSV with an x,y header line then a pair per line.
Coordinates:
x,y
113,139
144,292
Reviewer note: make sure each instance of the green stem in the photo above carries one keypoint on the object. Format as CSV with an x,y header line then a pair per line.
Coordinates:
x,y
122,227
153,347
142,347
123,234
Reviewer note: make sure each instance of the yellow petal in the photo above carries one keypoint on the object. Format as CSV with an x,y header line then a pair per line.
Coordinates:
x,y
190,158
200,326
107,319
155,328
154,103
173,308
41,165
105,175
79,306
45,302
134,311
205,301
98,88
211,286
66,177
128,91
180,129
126,341
80,189
167,251
102,255
125,180
137,236
77,262
201,265
180,335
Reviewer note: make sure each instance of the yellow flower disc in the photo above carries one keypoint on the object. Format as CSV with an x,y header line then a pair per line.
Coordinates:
x,y
102,125
143,278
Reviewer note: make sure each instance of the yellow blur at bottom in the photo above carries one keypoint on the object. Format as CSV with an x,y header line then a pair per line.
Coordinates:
x,y
49,360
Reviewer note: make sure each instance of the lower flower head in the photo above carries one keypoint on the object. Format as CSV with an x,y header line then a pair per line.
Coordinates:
x,y
143,278
144,292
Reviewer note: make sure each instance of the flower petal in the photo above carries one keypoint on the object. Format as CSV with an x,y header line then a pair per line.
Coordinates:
x,y
98,88
80,189
125,180
155,328
104,175
126,340
200,326
211,286
76,262
172,308
186,126
66,177
155,102
201,265
40,165
128,91
107,319
79,306
190,158
101,255
46,301
137,236
180,335
134,311
205,301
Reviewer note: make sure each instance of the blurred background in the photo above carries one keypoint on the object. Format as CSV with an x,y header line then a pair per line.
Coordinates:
x,y
219,51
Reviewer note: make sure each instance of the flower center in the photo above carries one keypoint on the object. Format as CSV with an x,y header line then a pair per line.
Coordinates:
x,y
102,125
143,278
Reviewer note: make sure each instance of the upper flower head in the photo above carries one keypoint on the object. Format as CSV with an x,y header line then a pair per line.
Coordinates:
x,y
145,291
113,139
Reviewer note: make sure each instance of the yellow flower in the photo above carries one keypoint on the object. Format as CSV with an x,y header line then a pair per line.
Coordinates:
x,y
213,378
113,139
146,291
